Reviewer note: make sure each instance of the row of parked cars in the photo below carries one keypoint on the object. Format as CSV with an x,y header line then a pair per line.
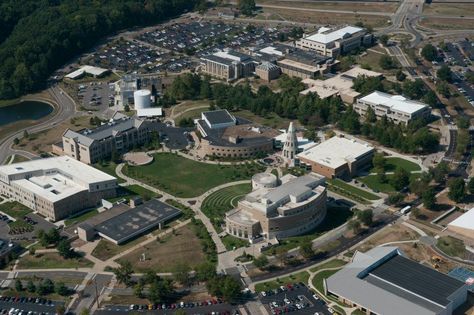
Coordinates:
x,y
283,288
22,299
174,305
17,311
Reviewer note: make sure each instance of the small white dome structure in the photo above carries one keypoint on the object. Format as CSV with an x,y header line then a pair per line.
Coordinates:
x,y
264,180
142,99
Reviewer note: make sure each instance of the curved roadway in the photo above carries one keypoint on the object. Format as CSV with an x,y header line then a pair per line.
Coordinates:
x,y
65,109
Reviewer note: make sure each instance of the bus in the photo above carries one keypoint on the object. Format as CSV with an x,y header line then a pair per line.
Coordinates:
x,y
405,210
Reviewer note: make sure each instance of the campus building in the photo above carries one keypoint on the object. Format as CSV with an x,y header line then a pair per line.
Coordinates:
x,y
396,108
339,85
123,222
279,209
338,157
119,135
383,281
268,71
464,226
125,88
224,135
305,65
335,41
228,65
56,187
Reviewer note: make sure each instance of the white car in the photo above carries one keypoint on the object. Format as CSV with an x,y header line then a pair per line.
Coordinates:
x,y
264,293
315,297
331,310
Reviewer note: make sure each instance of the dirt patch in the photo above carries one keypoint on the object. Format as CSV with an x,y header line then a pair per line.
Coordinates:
x,y
393,233
425,255
455,9
438,23
41,142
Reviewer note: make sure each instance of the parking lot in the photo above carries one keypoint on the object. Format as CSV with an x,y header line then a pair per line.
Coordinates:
x,y
293,298
24,305
95,95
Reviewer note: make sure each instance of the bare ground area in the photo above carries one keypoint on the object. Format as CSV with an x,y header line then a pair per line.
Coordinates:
x,y
457,9
438,23
333,5
327,17
42,141
393,233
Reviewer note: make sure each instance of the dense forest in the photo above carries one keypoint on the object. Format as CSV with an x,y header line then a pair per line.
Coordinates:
x,y
310,110
39,36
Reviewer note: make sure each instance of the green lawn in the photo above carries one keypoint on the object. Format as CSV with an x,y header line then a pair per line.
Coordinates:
x,y
231,241
52,261
109,168
352,190
271,119
15,209
81,217
319,277
187,178
294,278
128,192
330,264
373,182
452,246
335,217
218,203
392,163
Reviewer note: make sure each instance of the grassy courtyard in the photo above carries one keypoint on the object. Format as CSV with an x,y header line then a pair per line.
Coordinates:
x,y
15,209
109,168
182,246
294,278
451,246
374,183
187,178
52,261
392,163
335,217
81,217
350,191
218,203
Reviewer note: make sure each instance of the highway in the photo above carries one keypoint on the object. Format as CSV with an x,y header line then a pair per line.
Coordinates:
x,y
65,109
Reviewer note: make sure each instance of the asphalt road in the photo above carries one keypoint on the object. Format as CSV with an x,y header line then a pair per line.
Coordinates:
x,y
66,110
124,309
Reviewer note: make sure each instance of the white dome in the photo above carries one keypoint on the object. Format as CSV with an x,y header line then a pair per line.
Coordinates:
x,y
264,180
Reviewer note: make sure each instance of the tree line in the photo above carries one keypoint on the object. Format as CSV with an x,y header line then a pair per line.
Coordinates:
x,y
311,110
38,37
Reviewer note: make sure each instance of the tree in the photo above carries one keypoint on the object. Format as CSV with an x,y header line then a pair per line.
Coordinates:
x,y
138,290
366,217
205,271
260,262
246,6
355,226
379,161
429,198
416,212
60,309
159,290
18,285
30,286
395,199
16,141
64,249
443,88
61,289
440,172
386,62
431,99
306,249
400,75
126,108
429,52
457,189
401,178
26,135
45,287
181,274
32,250
85,311
384,39
444,73
123,273
414,89
470,185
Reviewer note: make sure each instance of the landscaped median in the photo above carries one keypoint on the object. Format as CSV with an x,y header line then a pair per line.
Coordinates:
x,y
186,178
352,192
274,284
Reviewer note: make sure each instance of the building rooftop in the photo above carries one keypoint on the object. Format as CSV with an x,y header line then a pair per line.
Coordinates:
x,y
299,65
336,152
127,224
217,117
326,35
268,66
386,282
394,102
53,178
466,221
95,71
150,112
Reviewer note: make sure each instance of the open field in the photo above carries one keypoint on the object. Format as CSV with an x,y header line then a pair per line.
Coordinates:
x,y
438,23
352,190
332,5
327,17
183,246
335,217
374,183
455,9
15,209
106,250
451,246
271,119
334,263
294,278
127,192
109,168
191,114
42,141
218,203
179,176
51,261
371,60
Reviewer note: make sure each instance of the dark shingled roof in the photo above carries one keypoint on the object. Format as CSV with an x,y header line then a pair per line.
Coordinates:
x,y
219,117
418,279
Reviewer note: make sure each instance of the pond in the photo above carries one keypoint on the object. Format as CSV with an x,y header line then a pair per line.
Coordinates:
x,y
27,110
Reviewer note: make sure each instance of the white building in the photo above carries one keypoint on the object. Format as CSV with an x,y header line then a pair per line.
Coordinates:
x,y
332,42
464,225
396,107
56,187
94,71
